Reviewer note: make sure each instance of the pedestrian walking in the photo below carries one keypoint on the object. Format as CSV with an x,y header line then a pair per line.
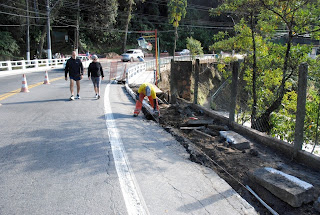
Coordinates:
x,y
75,69
146,89
96,72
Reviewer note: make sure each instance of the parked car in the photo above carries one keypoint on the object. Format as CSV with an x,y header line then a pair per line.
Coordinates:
x,y
132,54
184,52
84,59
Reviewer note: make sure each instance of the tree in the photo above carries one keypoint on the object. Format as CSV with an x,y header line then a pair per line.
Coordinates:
x,y
194,46
249,10
265,18
177,10
297,16
8,45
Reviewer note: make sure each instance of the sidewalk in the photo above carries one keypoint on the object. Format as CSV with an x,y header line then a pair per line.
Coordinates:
x,y
169,183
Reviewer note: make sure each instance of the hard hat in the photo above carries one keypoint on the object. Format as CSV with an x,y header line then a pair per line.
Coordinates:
x,y
148,91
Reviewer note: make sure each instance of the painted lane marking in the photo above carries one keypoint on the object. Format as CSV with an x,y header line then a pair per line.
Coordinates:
x,y
6,95
130,190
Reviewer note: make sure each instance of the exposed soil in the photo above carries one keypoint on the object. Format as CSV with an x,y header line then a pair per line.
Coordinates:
x,y
231,164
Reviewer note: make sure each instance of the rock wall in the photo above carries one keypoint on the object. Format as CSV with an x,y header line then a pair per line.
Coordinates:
x,y
181,78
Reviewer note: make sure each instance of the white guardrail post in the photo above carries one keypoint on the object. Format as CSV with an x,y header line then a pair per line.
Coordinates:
x,y
9,66
23,63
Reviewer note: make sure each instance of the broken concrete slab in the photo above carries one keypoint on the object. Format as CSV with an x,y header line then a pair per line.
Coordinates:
x,y
236,140
288,188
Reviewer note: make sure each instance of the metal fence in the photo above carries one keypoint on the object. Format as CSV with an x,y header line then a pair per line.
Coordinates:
x,y
281,123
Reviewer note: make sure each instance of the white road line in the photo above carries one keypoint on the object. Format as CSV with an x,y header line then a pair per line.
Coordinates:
x,y
130,190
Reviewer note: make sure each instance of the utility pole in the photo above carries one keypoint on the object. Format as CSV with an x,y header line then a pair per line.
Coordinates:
x,y
28,31
48,31
76,45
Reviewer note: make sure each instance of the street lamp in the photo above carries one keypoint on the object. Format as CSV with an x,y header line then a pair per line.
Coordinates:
x,y
234,24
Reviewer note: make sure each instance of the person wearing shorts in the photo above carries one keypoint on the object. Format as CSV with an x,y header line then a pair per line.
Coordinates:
x,y
96,72
75,69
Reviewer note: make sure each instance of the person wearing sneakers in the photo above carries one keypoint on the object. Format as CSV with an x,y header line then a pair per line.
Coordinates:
x,y
75,69
96,73
146,89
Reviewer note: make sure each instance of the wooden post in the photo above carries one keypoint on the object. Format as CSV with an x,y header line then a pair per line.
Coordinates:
x,y
173,87
196,81
301,107
233,99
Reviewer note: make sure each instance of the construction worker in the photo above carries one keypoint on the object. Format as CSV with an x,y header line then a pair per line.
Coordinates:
x,y
146,89
140,59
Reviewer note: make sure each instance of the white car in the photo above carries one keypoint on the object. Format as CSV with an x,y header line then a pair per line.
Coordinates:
x,y
84,59
184,52
132,54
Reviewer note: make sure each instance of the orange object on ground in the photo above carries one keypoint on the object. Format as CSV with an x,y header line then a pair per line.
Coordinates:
x,y
46,79
24,87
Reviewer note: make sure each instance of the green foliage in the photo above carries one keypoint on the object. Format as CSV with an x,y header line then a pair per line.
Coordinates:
x,y
220,36
194,46
274,68
176,11
8,45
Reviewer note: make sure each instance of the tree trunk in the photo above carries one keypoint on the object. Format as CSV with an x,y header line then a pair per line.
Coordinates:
x,y
263,122
175,40
127,25
42,38
254,74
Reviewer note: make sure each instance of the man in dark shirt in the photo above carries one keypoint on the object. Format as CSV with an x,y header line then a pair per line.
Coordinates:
x,y
75,68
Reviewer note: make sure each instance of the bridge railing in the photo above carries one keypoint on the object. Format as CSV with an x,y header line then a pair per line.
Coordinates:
x,y
151,65
30,64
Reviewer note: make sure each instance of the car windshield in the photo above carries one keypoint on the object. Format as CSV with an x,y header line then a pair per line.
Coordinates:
x,y
129,52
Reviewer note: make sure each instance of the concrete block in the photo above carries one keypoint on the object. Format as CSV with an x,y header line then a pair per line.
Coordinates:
x,y
236,140
317,204
288,188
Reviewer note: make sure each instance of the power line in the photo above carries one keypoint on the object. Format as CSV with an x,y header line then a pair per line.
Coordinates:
x,y
13,14
15,8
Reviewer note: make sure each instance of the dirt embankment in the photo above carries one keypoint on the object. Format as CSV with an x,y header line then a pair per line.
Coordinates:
x,y
231,164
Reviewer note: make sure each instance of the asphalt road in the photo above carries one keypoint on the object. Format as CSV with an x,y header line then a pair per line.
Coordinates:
x,y
91,156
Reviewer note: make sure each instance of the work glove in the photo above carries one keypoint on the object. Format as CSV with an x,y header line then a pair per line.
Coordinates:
x,y
137,96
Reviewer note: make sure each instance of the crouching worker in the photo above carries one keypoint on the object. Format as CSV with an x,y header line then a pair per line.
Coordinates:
x,y
146,89
140,59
